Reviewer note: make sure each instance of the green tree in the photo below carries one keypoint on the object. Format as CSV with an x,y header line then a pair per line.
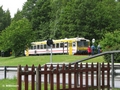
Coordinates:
x,y
76,17
41,19
88,18
56,10
5,19
71,18
18,16
28,8
17,37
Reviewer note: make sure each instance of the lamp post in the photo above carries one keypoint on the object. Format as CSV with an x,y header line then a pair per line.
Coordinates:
x,y
93,40
50,43
93,47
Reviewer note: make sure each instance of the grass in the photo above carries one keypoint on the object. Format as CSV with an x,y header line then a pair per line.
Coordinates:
x,y
11,84
6,84
30,60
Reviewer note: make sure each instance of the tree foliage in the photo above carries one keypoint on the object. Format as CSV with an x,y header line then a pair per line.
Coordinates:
x,y
41,19
17,37
72,18
18,16
28,9
5,19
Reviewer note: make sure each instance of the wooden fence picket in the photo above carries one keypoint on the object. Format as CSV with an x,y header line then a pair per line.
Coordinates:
x,y
62,77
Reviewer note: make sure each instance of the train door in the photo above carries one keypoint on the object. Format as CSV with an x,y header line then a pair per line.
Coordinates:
x,y
65,47
70,47
74,48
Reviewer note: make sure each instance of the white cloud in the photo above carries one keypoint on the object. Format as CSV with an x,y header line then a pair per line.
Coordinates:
x,y
12,5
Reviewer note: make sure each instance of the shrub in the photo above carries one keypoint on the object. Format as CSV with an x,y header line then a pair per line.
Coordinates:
x,y
110,42
107,57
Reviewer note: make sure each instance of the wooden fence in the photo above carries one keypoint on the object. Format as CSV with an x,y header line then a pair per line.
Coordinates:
x,y
62,77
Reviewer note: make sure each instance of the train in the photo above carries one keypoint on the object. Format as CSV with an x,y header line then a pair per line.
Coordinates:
x,y
71,46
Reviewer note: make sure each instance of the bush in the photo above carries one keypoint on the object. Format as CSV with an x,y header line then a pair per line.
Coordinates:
x,y
107,57
110,42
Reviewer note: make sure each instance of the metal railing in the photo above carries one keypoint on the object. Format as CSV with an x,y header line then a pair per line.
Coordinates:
x,y
100,54
6,69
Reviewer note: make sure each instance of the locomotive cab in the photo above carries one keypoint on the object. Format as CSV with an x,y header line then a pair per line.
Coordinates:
x,y
82,46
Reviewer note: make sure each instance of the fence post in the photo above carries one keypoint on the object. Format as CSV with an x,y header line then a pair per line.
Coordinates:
x,y
19,78
77,76
37,79
33,78
5,68
26,77
112,61
99,75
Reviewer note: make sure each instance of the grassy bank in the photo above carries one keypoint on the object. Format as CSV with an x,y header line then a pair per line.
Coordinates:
x,y
11,84
30,60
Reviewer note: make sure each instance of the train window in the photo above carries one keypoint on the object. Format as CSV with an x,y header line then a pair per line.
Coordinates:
x,y
87,44
61,44
34,47
79,43
53,46
65,44
57,45
82,43
44,46
38,47
41,46
73,44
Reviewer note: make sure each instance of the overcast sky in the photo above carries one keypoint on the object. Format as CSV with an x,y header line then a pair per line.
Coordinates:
x,y
12,5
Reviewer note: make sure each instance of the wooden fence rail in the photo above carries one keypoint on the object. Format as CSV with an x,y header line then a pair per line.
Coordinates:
x,y
79,77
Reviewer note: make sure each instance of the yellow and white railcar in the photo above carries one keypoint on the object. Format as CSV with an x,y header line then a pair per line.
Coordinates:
x,y
69,46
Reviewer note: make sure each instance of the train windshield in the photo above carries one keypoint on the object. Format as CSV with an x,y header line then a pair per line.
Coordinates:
x,y
82,43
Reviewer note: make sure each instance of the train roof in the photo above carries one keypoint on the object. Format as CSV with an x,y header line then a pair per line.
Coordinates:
x,y
61,40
